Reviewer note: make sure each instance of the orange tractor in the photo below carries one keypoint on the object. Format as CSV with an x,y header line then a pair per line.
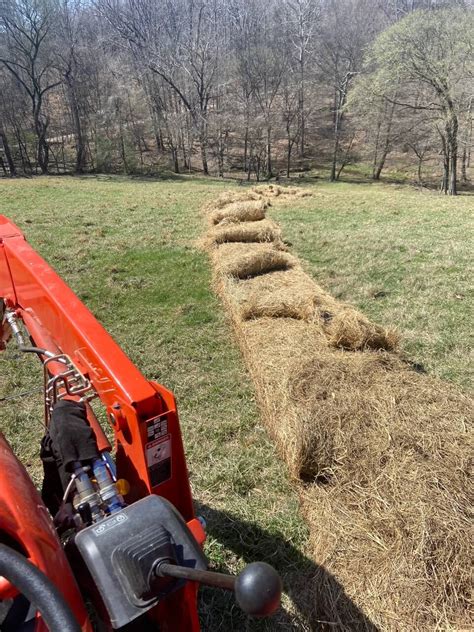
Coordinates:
x,y
112,541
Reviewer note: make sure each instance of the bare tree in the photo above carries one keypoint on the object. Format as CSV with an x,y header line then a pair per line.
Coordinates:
x,y
347,27
303,19
431,55
27,55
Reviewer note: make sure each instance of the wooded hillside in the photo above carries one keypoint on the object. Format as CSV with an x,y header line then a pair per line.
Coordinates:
x,y
245,87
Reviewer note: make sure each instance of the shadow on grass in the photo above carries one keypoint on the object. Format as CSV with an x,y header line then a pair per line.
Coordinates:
x,y
309,585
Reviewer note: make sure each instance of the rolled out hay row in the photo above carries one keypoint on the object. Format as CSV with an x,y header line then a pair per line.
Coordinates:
x,y
274,190
228,197
278,294
244,211
393,520
246,260
388,452
270,347
358,408
383,451
349,329
263,230
291,293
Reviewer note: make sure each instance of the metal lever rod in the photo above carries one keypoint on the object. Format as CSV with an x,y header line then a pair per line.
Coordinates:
x,y
218,580
257,588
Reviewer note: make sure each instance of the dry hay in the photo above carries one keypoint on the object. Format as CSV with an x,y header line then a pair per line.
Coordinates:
x,y
277,294
382,450
267,345
275,190
244,211
349,329
263,230
393,520
246,260
386,450
291,293
228,197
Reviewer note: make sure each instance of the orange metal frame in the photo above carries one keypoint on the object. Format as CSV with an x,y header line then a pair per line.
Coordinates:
x,y
57,320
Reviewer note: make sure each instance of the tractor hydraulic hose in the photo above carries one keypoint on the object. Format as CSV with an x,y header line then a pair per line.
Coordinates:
x,y
38,589
12,320
37,350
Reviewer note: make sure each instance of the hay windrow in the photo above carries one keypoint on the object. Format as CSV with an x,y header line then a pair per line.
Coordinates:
x,y
275,190
269,345
384,452
396,449
247,260
277,294
228,197
349,329
263,230
242,211
291,293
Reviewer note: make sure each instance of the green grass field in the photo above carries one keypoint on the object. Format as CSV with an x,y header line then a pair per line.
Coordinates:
x,y
128,248
402,255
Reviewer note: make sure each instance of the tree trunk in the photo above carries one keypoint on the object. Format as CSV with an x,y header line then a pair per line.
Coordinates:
x,y
41,127
332,176
288,159
376,149
302,123
381,164
43,154
80,145
453,153
269,151
288,150
420,161
8,155
246,141
386,146
445,179
301,112
463,166
174,155
203,141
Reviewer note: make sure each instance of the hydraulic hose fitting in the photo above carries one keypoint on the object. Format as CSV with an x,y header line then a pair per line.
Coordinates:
x,y
86,492
107,488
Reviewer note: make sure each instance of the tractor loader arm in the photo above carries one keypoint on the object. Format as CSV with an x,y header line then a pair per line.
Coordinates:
x,y
115,528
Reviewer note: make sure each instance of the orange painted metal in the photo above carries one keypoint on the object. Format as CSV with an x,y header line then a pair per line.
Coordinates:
x,y
57,320
25,519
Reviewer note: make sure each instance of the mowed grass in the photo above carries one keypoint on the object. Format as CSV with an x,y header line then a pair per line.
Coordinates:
x,y
128,248
404,256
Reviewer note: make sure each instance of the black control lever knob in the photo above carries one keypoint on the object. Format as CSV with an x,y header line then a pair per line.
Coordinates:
x,y
258,589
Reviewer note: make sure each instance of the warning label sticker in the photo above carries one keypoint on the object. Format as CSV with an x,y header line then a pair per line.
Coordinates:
x,y
157,427
158,458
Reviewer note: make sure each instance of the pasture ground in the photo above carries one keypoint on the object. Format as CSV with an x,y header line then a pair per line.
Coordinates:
x,y
128,248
